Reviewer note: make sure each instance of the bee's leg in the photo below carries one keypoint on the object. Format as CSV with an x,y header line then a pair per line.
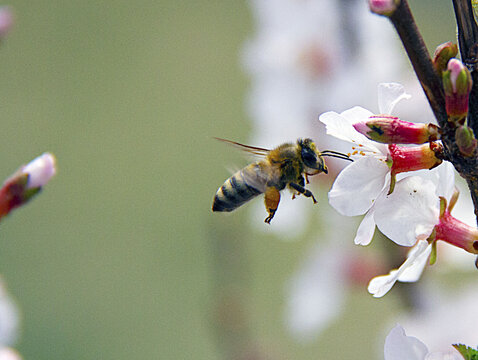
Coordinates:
x,y
306,180
271,199
303,191
301,182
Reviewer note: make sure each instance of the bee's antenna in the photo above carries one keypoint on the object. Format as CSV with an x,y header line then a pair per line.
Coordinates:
x,y
335,154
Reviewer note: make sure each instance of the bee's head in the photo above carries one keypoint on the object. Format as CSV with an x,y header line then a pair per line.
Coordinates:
x,y
311,157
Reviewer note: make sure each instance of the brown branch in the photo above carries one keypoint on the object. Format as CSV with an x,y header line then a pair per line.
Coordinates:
x,y
413,42
468,39
418,54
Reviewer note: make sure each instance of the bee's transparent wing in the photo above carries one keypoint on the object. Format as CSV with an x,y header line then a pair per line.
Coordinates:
x,y
250,149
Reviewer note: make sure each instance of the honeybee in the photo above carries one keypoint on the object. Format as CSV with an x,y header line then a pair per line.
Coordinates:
x,y
287,165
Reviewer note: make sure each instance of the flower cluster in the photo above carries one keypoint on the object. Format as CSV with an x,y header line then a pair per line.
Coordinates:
x,y
403,190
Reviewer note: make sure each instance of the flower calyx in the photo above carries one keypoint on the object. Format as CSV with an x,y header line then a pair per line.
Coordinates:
x,y
454,231
412,158
389,129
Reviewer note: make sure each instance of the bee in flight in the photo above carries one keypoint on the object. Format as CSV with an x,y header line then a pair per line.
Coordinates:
x,y
287,165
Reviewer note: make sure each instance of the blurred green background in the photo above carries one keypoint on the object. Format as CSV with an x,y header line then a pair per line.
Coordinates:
x,y
121,257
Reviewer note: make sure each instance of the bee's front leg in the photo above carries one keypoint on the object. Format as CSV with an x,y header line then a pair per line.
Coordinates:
x,y
303,191
301,182
271,199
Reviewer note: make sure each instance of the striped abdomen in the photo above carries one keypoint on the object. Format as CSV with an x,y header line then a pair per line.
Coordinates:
x,y
238,189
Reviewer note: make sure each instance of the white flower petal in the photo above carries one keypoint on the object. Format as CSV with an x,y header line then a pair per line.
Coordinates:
x,y
389,94
356,114
366,229
415,270
380,285
358,185
341,127
399,346
445,174
464,209
411,210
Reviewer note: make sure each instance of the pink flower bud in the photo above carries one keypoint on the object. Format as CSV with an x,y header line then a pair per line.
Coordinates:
x,y
26,183
391,130
40,170
383,7
457,83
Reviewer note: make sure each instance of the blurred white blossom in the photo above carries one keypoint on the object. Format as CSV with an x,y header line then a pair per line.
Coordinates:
x,y
9,318
399,346
7,20
316,293
446,316
7,353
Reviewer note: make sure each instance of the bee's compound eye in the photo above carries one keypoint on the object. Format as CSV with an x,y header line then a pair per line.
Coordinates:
x,y
309,158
